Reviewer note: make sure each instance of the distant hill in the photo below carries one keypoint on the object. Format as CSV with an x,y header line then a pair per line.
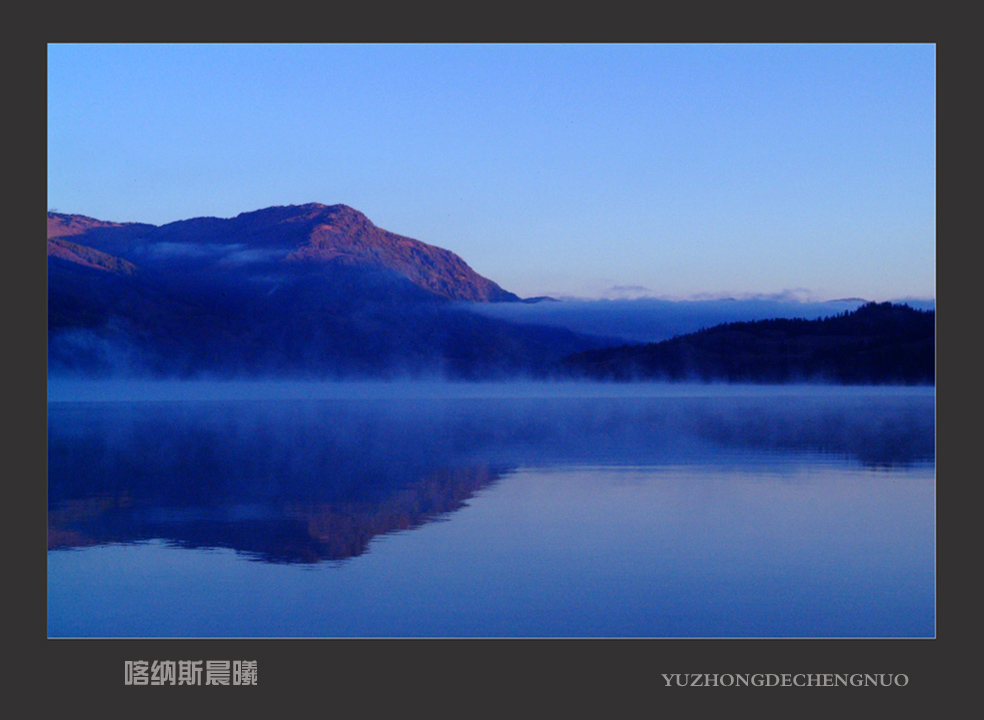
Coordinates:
x,y
297,234
879,343
310,290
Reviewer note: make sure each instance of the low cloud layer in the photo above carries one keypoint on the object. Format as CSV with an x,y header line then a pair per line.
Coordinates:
x,y
652,320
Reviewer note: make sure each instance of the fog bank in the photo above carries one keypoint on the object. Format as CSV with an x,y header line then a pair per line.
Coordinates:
x,y
62,389
646,320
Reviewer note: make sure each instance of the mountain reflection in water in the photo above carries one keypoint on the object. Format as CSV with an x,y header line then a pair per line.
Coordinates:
x,y
309,481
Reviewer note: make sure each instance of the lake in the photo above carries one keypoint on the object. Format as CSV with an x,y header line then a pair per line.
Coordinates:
x,y
490,510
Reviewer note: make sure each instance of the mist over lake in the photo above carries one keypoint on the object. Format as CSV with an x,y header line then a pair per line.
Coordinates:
x,y
388,509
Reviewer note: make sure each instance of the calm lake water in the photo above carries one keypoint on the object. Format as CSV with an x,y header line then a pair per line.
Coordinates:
x,y
487,511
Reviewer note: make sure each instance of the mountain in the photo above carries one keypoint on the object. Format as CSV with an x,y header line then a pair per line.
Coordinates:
x,y
309,290
879,343
295,234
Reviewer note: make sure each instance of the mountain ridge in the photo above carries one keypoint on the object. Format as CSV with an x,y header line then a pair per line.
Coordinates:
x,y
302,291
284,234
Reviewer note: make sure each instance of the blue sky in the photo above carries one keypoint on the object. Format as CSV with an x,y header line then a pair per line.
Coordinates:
x,y
672,171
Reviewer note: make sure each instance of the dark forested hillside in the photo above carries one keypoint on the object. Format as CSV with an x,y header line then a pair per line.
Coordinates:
x,y
879,343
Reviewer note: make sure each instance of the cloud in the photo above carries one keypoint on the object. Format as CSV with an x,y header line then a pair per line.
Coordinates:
x,y
166,250
227,253
627,292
